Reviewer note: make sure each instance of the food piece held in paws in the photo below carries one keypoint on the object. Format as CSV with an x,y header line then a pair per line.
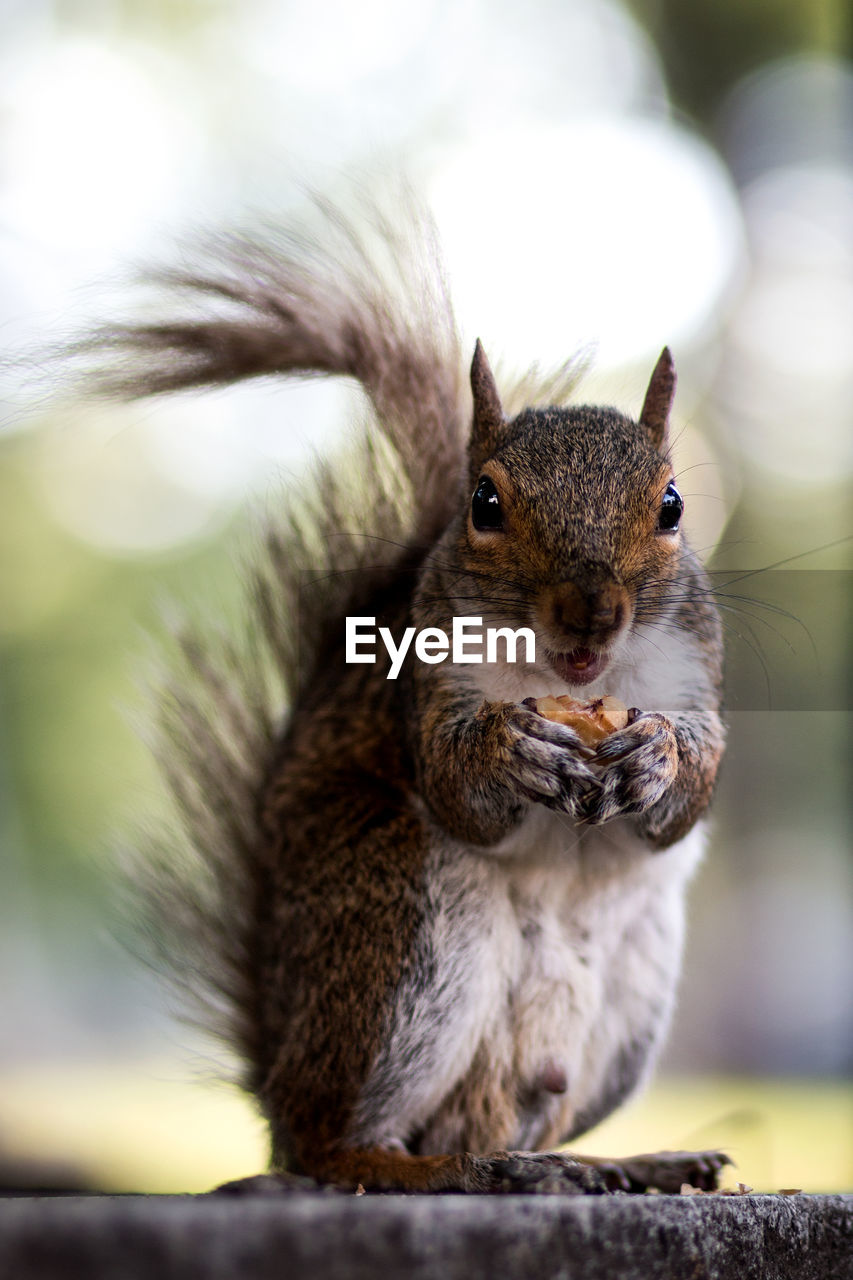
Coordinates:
x,y
592,721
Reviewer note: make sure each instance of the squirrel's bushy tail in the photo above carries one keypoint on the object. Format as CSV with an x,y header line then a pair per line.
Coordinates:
x,y
357,297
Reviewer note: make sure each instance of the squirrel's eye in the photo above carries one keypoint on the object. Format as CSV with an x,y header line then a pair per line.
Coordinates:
x,y
486,506
671,509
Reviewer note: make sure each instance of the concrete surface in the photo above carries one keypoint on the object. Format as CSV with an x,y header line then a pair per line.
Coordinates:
x,y
342,1237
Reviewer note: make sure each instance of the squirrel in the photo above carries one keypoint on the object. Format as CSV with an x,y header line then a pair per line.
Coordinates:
x,y
444,935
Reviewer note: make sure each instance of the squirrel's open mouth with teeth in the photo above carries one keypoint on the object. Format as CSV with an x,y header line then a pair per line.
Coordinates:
x,y
578,666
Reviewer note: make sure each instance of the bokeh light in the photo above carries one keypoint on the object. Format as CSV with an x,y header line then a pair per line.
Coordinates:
x,y
618,231
94,149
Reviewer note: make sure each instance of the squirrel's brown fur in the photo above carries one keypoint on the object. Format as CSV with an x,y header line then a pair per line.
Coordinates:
x,y
380,892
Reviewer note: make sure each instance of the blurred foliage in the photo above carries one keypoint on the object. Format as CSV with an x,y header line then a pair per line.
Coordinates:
x,y
708,46
72,618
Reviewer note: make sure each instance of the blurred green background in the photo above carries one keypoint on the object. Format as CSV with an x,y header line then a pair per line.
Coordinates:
x,y
605,175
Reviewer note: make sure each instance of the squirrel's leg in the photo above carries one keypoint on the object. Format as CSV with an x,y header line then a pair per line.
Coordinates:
x,y
499,1172
375,988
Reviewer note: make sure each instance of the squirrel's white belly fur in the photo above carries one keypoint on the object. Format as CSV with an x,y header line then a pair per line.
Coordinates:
x,y
563,953
557,950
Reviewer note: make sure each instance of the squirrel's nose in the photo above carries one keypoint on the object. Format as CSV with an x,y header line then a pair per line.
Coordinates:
x,y
596,613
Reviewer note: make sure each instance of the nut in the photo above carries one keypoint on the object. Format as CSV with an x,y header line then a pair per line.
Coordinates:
x,y
592,721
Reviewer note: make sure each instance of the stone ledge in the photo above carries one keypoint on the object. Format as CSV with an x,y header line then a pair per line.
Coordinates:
x,y
313,1236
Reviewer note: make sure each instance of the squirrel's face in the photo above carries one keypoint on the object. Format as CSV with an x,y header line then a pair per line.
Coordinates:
x,y
574,522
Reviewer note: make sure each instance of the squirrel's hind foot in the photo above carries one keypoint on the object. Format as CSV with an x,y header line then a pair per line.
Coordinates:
x,y
539,1173
665,1171
498,1173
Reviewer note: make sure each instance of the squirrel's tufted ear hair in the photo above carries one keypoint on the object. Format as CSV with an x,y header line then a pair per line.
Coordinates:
x,y
659,398
488,413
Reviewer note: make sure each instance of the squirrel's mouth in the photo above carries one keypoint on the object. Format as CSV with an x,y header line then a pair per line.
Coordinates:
x,y
578,666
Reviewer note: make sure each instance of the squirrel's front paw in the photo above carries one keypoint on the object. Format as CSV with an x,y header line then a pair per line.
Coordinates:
x,y
640,764
547,762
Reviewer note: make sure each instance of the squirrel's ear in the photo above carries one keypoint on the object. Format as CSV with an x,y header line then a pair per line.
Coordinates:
x,y
659,398
488,413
